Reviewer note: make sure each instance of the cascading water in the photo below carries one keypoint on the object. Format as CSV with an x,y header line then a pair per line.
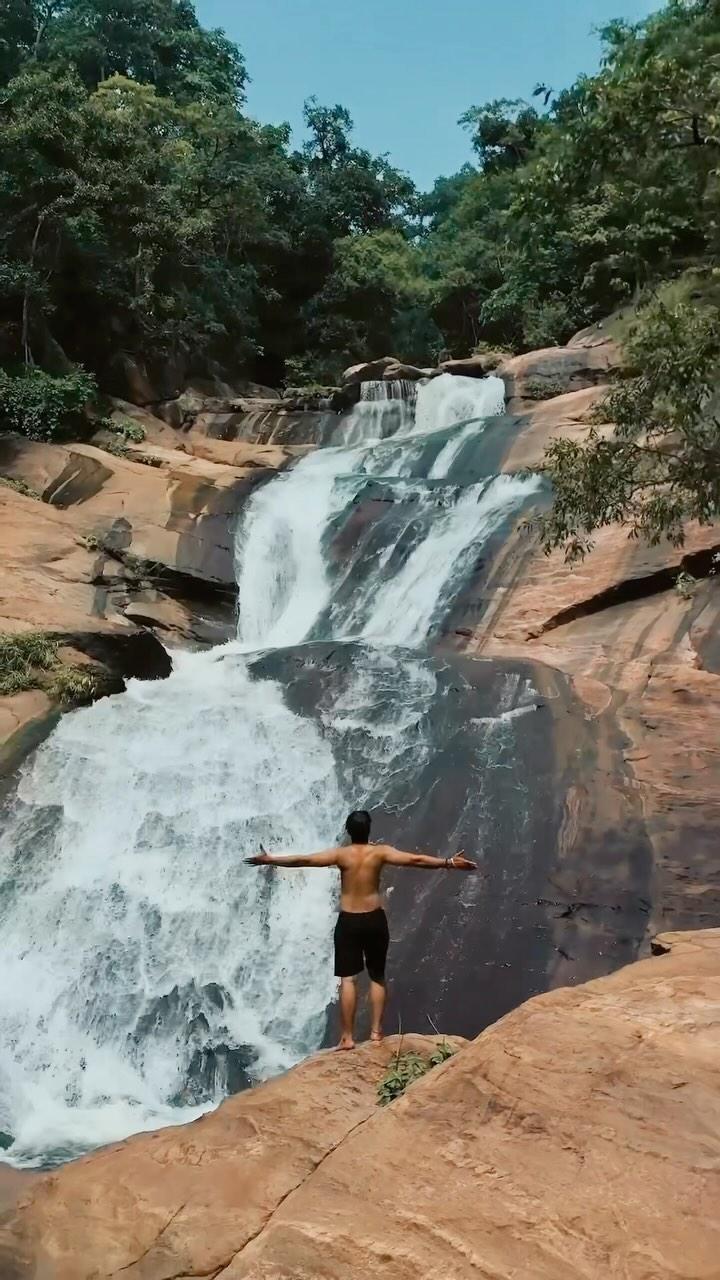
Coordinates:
x,y
384,409
146,970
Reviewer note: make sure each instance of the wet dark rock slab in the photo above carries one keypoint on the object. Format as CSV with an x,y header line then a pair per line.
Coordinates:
x,y
500,762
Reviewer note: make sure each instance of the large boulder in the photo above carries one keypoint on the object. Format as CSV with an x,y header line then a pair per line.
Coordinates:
x,y
555,371
478,365
385,368
401,372
595,335
578,1136
54,578
370,370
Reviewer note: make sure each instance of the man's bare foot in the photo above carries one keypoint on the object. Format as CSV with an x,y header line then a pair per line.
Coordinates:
x,y
376,1037
346,1042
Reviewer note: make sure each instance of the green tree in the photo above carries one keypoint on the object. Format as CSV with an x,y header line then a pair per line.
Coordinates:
x,y
658,465
504,133
373,303
611,190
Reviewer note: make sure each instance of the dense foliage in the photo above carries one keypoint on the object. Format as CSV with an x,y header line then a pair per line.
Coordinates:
x,y
657,465
145,217
42,407
143,214
578,208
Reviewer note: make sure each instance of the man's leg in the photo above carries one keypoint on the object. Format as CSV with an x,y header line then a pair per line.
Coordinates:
x,y
376,950
377,1004
348,1005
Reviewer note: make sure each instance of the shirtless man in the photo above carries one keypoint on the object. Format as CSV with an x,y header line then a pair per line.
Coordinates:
x,y
361,932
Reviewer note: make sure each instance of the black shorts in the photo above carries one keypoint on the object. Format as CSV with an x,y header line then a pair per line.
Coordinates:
x,y
361,942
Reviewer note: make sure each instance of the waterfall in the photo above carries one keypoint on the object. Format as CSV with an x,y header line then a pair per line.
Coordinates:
x,y
147,970
384,409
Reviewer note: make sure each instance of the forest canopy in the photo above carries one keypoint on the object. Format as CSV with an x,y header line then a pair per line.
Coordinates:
x,y
145,215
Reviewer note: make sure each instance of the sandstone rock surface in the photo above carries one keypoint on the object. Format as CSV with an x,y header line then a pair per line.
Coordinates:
x,y
475,366
564,417
53,579
369,370
177,512
184,1201
403,372
579,1136
556,371
644,659
119,547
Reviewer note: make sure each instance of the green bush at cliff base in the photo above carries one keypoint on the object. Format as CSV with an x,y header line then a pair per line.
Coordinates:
x,y
406,1068
73,686
43,407
22,658
126,428
30,661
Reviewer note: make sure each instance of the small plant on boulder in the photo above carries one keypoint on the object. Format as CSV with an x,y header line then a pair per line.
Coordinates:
x,y
686,585
20,487
540,389
406,1068
74,686
130,431
30,661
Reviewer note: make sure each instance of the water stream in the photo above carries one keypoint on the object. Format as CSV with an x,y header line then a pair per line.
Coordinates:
x,y
146,970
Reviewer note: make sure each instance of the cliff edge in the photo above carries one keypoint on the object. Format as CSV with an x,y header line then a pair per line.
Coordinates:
x,y
578,1136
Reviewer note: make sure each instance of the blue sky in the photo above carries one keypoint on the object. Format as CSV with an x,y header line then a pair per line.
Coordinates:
x,y
406,71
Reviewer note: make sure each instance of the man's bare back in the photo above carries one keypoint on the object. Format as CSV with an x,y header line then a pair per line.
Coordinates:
x,y
361,867
361,933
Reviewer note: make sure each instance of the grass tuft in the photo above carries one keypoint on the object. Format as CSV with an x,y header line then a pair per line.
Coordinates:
x,y
30,661
406,1068
23,657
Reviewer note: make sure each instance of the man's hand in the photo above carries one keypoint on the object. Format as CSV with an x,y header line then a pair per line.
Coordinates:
x,y
260,860
461,863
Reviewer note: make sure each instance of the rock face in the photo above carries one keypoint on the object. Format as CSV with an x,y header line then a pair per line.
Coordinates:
x,y
475,366
117,549
185,1200
642,657
534,427
579,1136
555,371
565,882
369,370
177,512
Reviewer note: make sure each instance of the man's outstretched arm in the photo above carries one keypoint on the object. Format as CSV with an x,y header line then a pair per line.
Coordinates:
x,y
397,858
327,858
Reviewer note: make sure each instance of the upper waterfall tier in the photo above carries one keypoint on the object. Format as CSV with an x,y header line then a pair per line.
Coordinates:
x,y
372,539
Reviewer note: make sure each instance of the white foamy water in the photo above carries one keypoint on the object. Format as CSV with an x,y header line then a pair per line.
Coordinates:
x,y
143,963
448,401
153,799
407,605
384,409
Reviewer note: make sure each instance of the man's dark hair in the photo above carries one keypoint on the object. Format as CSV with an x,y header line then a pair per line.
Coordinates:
x,y
358,826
